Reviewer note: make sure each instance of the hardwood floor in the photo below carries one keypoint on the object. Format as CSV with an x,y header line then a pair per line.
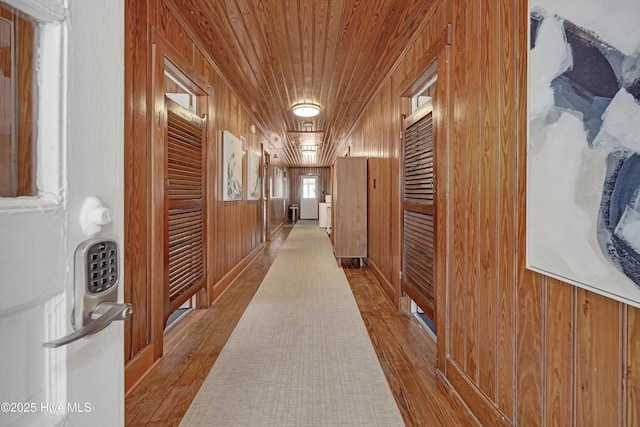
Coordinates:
x,y
406,352
408,357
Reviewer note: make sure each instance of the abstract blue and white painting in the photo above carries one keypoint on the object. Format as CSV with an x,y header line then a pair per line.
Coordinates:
x,y
583,158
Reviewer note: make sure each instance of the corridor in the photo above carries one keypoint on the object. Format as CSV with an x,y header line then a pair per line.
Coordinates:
x,y
405,351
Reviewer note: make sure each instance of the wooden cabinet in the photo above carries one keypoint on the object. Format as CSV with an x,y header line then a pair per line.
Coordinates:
x,y
349,208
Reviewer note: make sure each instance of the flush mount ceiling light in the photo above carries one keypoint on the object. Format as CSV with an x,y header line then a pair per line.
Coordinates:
x,y
306,110
308,151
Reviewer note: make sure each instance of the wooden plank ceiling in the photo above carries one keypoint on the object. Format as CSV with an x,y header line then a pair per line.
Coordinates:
x,y
277,53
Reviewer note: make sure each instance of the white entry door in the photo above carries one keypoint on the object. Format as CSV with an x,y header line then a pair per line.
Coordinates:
x,y
309,201
79,154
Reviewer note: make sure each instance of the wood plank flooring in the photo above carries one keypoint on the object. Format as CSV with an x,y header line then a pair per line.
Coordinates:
x,y
406,352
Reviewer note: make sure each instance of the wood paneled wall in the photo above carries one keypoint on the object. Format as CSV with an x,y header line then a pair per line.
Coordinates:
x,y
324,182
234,228
278,206
377,137
277,214
521,348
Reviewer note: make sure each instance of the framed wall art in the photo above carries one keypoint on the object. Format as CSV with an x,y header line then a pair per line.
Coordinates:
x,y
277,183
253,176
231,167
583,154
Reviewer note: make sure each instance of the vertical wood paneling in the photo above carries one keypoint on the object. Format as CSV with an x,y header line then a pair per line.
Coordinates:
x,y
171,29
540,358
473,186
529,351
378,139
531,288
459,191
278,211
559,355
129,57
389,236
527,347
489,247
442,195
598,370
234,228
386,192
136,291
238,222
506,211
633,369
376,136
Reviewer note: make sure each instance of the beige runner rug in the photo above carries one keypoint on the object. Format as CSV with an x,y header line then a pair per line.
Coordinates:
x,y
301,354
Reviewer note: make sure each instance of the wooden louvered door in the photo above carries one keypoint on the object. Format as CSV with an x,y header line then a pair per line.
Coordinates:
x,y
419,210
185,243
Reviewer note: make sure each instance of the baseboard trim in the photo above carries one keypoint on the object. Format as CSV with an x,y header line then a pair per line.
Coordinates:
x,y
136,369
278,229
223,284
445,385
480,405
387,287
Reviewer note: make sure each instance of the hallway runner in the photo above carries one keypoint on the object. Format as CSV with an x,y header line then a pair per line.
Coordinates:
x,y
301,354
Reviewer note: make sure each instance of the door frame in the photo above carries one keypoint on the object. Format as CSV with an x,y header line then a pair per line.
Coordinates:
x,y
147,292
425,209
166,57
302,178
201,293
266,196
438,56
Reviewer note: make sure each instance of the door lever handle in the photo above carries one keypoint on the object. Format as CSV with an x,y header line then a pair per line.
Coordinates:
x,y
103,315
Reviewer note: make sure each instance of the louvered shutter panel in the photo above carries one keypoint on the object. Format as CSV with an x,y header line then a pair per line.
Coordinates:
x,y
419,259
185,205
419,210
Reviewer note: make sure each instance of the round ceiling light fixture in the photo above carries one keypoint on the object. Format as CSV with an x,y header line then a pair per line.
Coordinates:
x,y
308,151
306,110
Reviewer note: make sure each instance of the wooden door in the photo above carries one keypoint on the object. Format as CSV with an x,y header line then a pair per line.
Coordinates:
x,y
419,209
185,202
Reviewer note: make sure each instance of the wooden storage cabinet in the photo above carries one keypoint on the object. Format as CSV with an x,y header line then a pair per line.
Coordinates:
x,y
349,208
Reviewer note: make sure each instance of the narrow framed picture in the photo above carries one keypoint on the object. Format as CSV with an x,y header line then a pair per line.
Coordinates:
x,y
231,167
253,176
